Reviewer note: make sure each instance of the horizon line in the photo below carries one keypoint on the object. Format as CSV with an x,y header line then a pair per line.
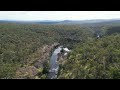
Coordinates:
x,y
61,20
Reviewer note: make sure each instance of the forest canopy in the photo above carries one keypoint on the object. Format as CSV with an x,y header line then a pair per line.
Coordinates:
x,y
91,57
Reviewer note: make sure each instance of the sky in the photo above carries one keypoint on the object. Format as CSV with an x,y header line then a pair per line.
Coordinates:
x,y
58,15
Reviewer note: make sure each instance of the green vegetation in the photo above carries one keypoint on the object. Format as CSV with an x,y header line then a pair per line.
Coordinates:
x,y
94,59
22,45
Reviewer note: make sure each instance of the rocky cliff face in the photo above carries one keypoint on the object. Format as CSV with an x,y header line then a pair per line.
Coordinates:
x,y
31,70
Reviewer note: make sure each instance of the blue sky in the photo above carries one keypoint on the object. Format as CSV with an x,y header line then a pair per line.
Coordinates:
x,y
58,15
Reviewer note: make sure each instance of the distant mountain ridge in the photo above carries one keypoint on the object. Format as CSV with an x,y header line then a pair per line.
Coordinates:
x,y
66,21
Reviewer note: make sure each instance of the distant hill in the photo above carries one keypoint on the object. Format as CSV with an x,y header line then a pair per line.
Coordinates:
x,y
83,22
97,21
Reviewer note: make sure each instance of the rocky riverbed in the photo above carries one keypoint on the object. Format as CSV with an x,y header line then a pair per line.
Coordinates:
x,y
31,69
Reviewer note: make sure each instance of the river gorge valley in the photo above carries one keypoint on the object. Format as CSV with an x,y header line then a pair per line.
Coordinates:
x,y
65,50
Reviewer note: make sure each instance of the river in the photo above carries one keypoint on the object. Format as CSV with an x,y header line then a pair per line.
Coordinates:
x,y
54,66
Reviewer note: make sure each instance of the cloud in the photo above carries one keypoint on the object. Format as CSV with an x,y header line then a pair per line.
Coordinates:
x,y
58,15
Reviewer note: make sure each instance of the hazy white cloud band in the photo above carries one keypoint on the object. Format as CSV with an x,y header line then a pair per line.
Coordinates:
x,y
58,15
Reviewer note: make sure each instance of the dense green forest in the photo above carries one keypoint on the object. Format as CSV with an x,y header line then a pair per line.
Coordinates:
x,y
94,59
21,45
